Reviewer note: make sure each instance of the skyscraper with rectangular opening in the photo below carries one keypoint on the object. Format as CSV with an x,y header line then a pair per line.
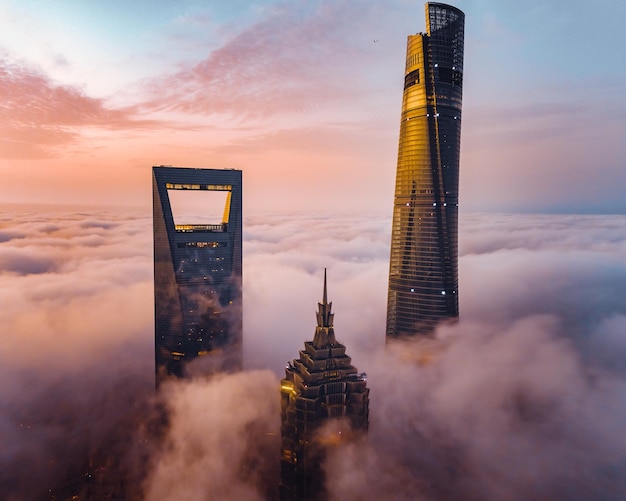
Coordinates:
x,y
197,270
423,270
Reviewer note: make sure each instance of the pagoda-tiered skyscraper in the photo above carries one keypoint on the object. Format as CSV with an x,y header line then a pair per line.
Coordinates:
x,y
423,271
324,400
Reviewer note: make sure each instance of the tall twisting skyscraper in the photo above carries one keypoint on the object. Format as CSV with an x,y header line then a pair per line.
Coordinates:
x,y
324,401
197,275
423,276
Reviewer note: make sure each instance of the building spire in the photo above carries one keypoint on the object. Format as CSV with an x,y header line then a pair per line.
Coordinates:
x,y
324,332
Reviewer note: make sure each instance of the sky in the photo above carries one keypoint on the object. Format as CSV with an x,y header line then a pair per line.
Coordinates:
x,y
304,97
524,398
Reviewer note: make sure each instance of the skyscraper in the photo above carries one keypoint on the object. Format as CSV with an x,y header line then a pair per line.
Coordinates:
x,y
197,274
423,268
324,400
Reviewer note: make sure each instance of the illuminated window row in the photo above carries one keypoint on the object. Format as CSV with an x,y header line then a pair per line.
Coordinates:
x,y
182,245
181,186
187,186
202,228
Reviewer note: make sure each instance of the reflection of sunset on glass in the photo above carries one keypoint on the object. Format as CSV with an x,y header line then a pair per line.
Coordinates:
x,y
289,112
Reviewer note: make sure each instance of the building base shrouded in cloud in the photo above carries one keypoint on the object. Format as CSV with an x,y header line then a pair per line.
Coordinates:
x,y
324,401
423,269
197,270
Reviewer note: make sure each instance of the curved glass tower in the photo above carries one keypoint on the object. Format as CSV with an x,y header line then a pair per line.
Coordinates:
x,y
423,272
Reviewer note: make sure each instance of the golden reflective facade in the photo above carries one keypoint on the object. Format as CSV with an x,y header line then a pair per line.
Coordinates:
x,y
423,273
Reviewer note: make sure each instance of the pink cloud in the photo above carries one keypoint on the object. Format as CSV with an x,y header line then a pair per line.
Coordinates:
x,y
37,115
300,58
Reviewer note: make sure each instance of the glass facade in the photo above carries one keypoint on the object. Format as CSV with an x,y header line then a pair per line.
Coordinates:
x,y
197,276
423,271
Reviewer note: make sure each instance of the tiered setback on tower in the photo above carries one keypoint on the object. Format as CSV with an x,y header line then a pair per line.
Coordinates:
x,y
324,401
423,273
197,275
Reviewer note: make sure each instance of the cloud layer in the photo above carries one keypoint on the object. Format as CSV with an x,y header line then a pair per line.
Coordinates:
x,y
524,398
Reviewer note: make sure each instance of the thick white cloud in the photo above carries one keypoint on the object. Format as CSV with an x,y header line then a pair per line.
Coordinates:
x,y
524,398
220,434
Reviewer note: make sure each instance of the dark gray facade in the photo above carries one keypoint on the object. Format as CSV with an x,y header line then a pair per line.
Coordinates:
x,y
197,276
324,401
423,269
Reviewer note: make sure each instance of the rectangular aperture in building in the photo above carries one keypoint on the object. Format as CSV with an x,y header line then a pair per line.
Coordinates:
x,y
199,203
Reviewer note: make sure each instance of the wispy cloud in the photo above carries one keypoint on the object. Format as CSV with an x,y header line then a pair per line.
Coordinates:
x,y
300,57
38,115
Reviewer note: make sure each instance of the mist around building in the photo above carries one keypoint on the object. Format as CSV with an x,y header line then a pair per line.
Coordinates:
x,y
523,398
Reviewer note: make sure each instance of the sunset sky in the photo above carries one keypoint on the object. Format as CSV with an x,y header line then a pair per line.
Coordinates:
x,y
304,96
